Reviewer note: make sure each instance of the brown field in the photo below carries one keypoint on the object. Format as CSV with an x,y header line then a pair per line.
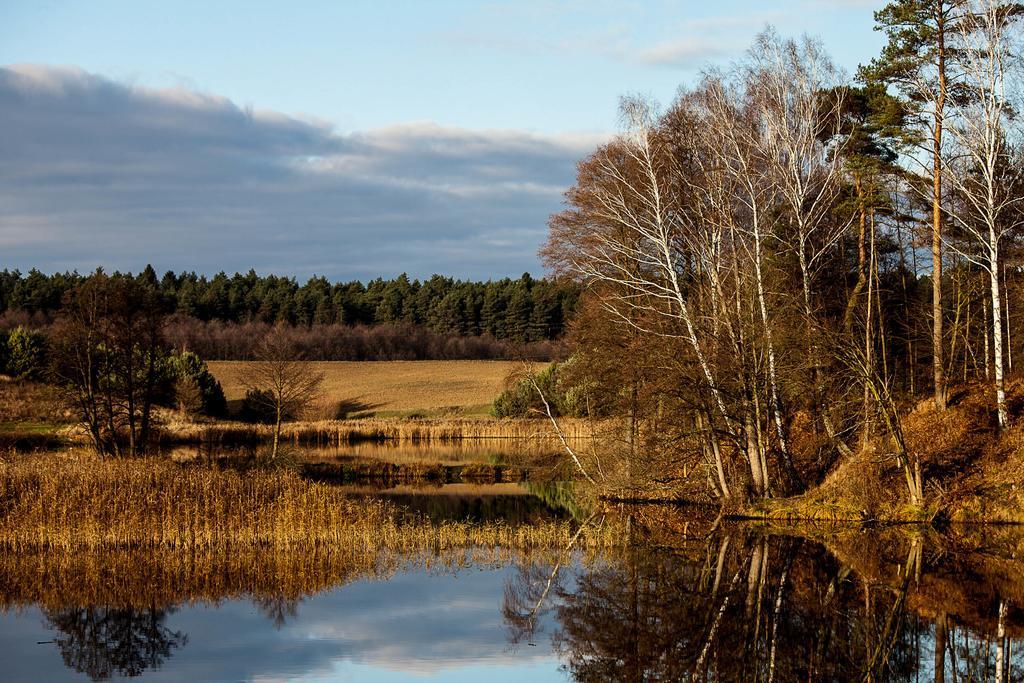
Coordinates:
x,y
394,388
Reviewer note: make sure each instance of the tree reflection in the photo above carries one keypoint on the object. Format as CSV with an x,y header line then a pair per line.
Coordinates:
x,y
103,641
278,608
758,608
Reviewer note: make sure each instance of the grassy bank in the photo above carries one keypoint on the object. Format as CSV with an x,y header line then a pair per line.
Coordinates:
x,y
972,471
75,501
393,388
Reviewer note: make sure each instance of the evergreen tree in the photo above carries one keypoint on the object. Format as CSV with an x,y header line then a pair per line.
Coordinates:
x,y
918,61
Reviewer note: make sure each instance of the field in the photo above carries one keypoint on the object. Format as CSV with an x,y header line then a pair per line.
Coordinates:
x,y
394,388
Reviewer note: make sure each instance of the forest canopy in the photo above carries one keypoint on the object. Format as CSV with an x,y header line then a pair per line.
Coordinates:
x,y
400,318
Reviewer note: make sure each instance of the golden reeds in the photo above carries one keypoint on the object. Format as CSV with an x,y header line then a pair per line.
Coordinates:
x,y
342,432
76,501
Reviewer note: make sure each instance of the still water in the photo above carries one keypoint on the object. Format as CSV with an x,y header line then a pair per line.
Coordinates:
x,y
677,601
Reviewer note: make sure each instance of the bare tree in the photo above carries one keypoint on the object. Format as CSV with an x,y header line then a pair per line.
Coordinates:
x,y
690,219
109,358
788,78
280,381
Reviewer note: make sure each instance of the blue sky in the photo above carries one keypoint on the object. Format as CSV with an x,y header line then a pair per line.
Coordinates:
x,y
351,139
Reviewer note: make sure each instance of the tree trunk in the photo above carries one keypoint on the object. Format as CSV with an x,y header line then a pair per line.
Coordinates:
x,y
997,329
938,368
851,303
789,472
1006,317
757,474
277,433
869,356
988,347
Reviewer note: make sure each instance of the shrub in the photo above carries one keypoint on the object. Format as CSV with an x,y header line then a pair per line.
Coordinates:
x,y
521,398
26,353
258,406
195,388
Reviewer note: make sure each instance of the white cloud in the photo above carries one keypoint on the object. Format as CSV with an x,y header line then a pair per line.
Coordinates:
x,y
687,53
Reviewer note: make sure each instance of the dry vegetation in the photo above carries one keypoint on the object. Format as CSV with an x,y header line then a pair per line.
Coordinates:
x,y
76,501
31,414
972,470
342,432
29,403
393,388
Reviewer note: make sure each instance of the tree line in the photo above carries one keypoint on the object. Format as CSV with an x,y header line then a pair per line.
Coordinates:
x,y
785,259
519,310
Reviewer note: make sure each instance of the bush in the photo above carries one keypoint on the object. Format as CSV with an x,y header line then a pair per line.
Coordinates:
x,y
522,399
258,406
196,389
26,353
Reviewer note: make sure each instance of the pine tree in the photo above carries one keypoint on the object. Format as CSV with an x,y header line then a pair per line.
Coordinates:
x,y
917,61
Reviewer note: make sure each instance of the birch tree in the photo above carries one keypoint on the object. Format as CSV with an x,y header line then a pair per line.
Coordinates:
x,y
985,157
798,99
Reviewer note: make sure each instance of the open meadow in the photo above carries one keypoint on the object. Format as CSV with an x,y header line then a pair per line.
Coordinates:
x,y
393,388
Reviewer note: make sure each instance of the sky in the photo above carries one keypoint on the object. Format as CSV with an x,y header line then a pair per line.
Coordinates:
x,y
349,139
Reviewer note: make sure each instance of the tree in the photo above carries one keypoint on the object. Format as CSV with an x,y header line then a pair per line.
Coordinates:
x,y
869,125
987,155
280,381
110,359
25,354
196,389
917,61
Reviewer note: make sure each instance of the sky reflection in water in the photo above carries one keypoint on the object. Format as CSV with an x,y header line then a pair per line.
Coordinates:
x,y
894,604
416,625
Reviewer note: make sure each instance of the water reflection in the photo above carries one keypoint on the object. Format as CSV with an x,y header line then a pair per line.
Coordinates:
x,y
511,503
677,601
101,641
752,607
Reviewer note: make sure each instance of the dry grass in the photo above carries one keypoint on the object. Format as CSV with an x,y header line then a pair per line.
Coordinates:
x,y
341,432
30,403
75,501
394,388
31,415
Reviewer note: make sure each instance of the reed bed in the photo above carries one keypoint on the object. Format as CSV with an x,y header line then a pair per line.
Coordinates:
x,y
75,501
336,433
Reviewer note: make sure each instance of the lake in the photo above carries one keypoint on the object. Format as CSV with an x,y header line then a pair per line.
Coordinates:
x,y
680,596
